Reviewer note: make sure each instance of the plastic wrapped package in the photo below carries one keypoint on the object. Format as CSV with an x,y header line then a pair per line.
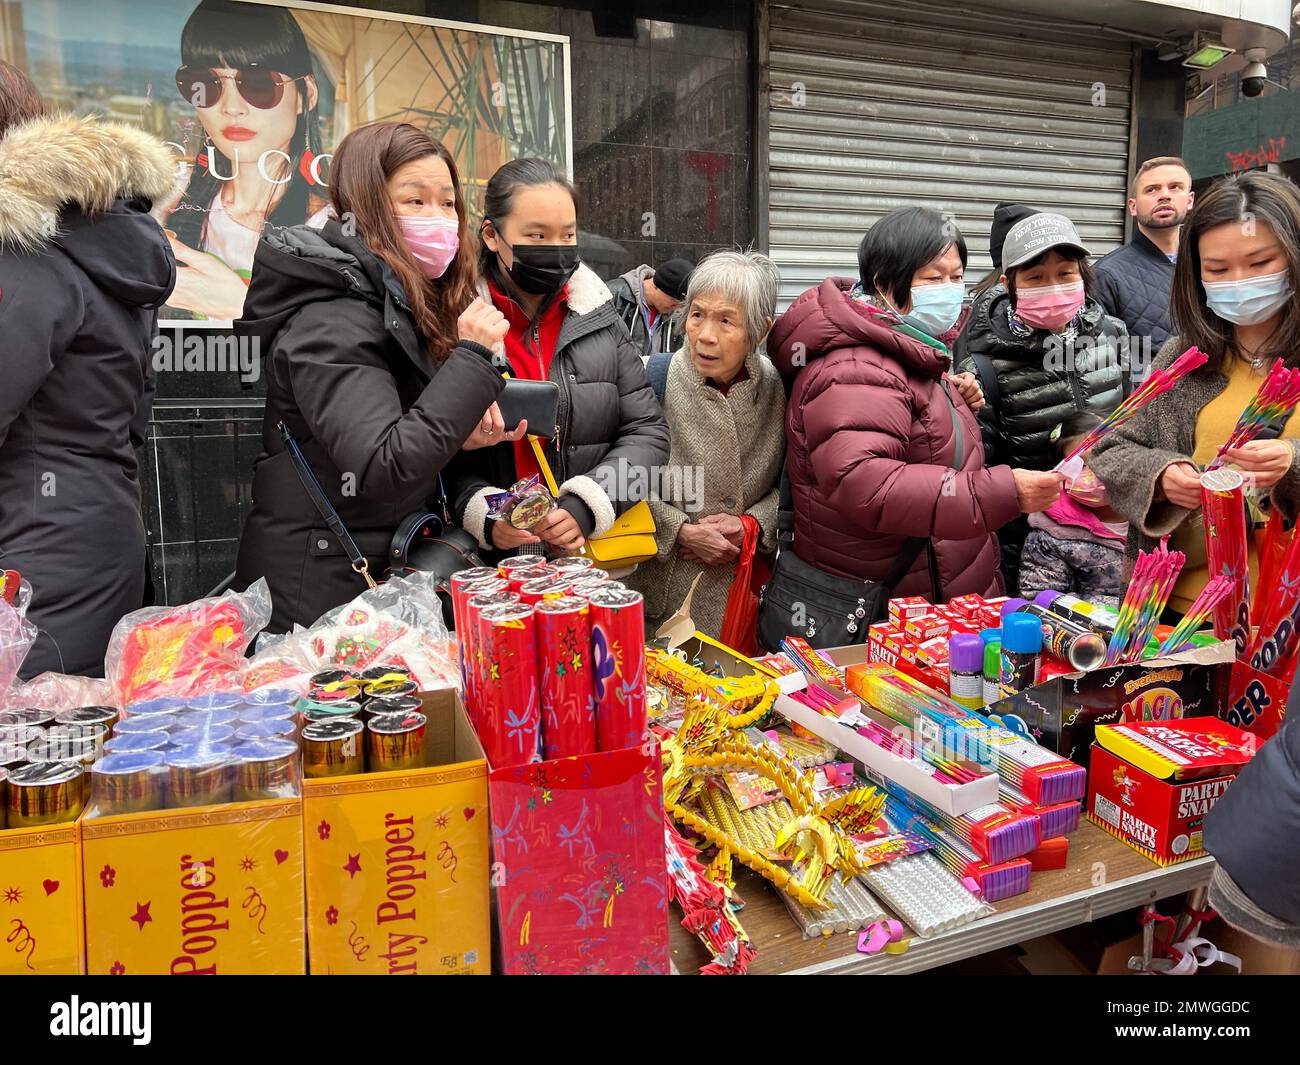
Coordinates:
x,y
398,623
925,894
185,650
852,908
17,635
59,691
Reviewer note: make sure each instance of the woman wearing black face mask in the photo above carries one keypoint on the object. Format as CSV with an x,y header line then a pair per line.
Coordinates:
x,y
562,328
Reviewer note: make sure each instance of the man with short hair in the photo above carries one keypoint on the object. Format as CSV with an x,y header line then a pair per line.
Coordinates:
x,y
646,299
1134,282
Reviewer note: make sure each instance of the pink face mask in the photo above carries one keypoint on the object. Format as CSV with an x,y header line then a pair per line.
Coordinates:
x,y
433,241
1049,307
1088,490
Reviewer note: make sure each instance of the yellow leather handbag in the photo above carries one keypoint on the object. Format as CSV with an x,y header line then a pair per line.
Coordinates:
x,y
628,543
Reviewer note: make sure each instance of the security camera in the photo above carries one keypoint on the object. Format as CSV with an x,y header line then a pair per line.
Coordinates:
x,y
1253,79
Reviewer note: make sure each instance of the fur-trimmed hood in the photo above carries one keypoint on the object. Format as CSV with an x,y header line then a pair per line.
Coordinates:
x,y
84,188
50,162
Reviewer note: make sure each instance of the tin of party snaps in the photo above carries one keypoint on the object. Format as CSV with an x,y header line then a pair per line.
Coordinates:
x,y
395,741
30,717
126,784
69,743
215,700
209,718
333,749
271,697
384,689
382,671
131,742
199,776
89,715
265,769
270,729
515,562
249,714
45,793
12,754
314,711
395,704
202,735
149,707
143,726
20,735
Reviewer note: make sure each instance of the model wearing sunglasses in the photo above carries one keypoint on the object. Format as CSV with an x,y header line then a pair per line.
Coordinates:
x,y
260,88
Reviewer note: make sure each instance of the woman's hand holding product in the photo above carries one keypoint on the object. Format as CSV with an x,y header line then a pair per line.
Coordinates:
x,y
705,543
1265,462
1181,484
1036,489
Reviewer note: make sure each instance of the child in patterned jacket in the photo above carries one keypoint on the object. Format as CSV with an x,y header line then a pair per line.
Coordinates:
x,y
1077,544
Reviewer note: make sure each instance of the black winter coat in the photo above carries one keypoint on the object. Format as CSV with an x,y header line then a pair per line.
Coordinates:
x,y
610,423
1133,285
1035,389
82,268
376,417
1030,396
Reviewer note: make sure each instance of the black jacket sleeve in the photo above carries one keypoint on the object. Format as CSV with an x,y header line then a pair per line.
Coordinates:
x,y
348,397
987,416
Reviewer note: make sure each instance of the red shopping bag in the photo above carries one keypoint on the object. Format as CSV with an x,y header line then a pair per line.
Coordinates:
x,y
740,623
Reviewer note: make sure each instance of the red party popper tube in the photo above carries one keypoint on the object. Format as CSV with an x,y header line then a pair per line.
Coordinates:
x,y
1273,650
564,660
618,667
1223,505
551,586
458,585
494,593
507,565
573,562
509,702
517,578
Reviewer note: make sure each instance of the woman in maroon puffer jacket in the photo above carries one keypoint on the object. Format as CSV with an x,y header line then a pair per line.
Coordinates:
x,y
876,420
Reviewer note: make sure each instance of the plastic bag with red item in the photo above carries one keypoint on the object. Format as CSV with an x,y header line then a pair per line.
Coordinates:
x,y
398,623
17,635
60,691
185,650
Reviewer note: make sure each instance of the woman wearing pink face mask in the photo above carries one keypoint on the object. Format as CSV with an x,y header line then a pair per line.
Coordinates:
x,y
1042,350
377,354
1077,544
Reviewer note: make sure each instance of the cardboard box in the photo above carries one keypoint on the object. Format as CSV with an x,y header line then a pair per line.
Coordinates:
x,y
1256,701
908,607
578,870
925,628
397,863
41,903
1062,713
207,890
968,606
1160,819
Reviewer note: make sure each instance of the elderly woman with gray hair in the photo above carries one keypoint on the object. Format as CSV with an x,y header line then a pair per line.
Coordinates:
x,y
725,407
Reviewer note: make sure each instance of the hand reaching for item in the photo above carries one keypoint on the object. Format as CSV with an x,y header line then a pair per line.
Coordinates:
x,y
560,529
1181,484
1265,462
1036,489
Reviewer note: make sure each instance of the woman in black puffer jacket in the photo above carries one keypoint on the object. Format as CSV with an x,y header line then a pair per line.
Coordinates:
x,y
1043,349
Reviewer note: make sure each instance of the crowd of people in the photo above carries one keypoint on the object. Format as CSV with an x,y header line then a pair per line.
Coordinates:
x,y
885,434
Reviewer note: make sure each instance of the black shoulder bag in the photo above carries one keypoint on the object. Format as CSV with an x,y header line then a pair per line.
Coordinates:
x,y
830,611
424,542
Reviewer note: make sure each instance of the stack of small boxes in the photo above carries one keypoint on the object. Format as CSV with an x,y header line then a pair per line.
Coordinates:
x,y
914,640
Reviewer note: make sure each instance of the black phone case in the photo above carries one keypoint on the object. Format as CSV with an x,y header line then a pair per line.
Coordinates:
x,y
537,401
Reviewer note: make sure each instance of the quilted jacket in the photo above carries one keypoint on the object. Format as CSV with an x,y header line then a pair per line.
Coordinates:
x,y
1133,284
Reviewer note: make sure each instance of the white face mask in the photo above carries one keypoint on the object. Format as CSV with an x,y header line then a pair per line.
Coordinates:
x,y
1249,301
935,308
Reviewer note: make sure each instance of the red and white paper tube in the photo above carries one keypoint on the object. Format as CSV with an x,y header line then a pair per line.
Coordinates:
x,y
474,607
618,667
517,578
1224,509
564,658
509,701
1274,649
549,587
573,563
508,565
458,585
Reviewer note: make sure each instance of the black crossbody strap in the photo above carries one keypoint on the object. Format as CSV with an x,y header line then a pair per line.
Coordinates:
x,y
317,495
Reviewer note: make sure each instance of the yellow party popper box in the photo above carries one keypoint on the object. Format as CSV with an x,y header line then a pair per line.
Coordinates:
x,y
397,862
205,890
41,929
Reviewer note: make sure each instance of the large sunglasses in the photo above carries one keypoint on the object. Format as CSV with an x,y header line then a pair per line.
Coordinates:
x,y
260,88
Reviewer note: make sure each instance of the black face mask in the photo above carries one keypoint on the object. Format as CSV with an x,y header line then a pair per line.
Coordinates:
x,y
542,269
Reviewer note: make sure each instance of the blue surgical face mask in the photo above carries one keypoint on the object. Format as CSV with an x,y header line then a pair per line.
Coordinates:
x,y
935,307
1249,301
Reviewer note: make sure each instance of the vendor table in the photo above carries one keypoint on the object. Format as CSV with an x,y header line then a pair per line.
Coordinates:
x,y
1103,877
